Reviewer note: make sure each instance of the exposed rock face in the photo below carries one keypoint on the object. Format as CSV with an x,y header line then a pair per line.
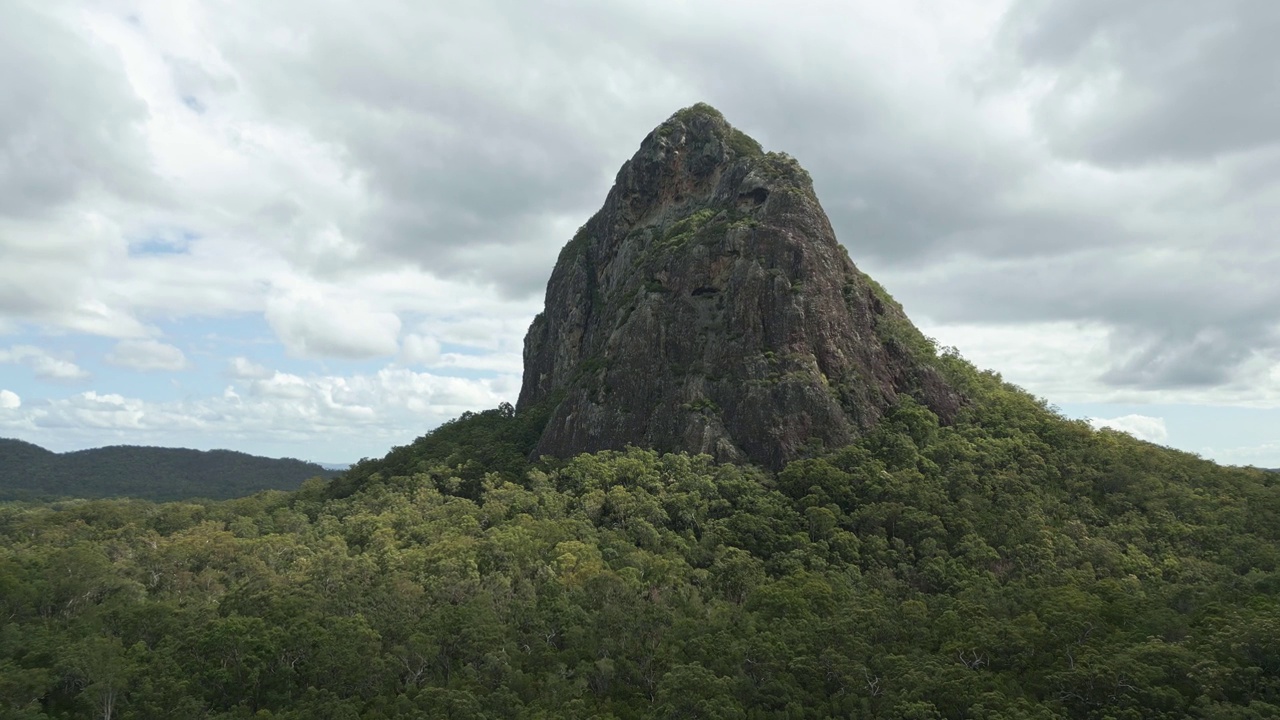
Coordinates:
x,y
708,307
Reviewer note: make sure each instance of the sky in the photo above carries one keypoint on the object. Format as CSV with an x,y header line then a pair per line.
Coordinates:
x,y
319,229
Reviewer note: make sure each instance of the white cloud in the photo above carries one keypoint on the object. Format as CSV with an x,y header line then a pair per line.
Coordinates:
x,y
511,363
93,410
420,350
44,365
498,357
1264,455
1143,427
282,386
316,321
492,330
9,400
1064,362
147,355
245,369
330,416
1058,360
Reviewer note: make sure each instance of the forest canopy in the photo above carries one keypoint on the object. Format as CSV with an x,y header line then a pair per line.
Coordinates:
x,y
1013,564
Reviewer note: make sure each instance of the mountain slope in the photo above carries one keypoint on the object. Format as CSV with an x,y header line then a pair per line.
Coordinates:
x,y
28,471
1010,564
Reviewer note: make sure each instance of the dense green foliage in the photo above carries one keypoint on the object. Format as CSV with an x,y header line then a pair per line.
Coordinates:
x,y
29,472
1012,565
478,445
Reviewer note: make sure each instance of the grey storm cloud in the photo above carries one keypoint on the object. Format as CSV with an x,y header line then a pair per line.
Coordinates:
x,y
1181,321
68,119
1159,79
1135,184
476,132
1204,358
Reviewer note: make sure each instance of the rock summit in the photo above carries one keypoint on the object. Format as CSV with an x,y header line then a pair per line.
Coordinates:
x,y
708,307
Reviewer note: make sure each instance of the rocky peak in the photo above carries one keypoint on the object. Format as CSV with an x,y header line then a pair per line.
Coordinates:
x,y
708,307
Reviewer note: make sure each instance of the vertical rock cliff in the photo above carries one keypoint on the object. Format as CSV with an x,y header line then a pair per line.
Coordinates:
x,y
708,307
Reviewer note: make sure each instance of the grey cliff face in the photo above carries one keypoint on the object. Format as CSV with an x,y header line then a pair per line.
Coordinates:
x,y
708,307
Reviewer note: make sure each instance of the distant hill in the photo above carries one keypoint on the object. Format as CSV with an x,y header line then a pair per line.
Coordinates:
x,y
30,472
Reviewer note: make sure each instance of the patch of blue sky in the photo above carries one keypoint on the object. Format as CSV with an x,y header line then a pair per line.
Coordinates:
x,y
1227,434
226,334
459,349
90,353
215,341
335,366
444,369
68,347
172,241
463,373
209,344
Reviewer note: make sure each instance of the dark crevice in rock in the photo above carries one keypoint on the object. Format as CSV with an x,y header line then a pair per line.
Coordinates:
x,y
756,196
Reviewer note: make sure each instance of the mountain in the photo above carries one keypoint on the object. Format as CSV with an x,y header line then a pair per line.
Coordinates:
x,y
28,471
707,307
967,552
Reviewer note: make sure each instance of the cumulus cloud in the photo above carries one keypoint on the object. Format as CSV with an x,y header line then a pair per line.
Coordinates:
x,y
95,410
480,175
54,150
44,365
245,369
147,355
342,417
512,363
61,167
315,322
1144,82
474,166
1143,427
1257,455
9,400
284,386
420,350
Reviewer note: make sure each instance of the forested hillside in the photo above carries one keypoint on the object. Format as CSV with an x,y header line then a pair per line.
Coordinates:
x,y
1013,564
29,472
